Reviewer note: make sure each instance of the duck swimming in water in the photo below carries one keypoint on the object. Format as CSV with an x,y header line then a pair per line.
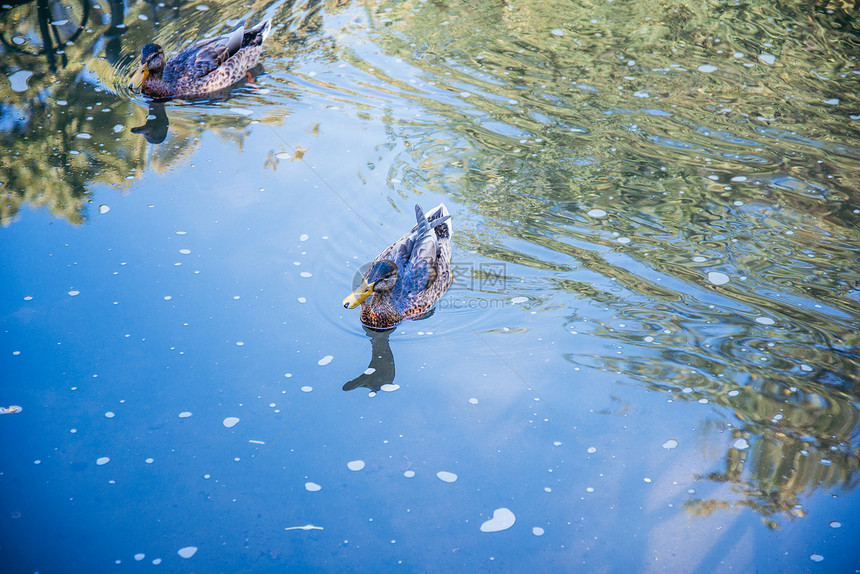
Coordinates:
x,y
410,276
204,67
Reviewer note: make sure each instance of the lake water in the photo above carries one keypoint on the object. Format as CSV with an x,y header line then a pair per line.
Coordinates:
x,y
648,361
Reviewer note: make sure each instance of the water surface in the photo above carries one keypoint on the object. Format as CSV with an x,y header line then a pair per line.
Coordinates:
x,y
648,360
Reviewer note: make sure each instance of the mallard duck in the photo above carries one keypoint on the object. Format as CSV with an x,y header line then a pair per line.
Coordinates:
x,y
203,67
407,278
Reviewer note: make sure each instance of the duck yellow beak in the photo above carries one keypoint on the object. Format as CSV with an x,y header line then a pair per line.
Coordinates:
x,y
358,296
138,78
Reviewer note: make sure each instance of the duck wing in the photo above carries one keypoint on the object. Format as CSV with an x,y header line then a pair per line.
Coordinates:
x,y
202,58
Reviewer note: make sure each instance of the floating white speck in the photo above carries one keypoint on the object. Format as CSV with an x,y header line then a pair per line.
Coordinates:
x,y
734,393
110,415
765,320
303,237
307,389
369,371
117,128
305,527
741,444
104,208
19,80
641,94
102,460
230,422
502,520
519,300
284,155
557,32
184,414
596,213
537,531
168,297
832,101
185,251
739,178
139,556
707,68
240,343
699,259
816,557
670,444
835,524
312,487
157,561
646,479
149,461
388,388
805,367
591,450
306,274
409,473
768,59
83,136
302,300
355,465
473,401
718,278
74,292
187,552
325,360
446,476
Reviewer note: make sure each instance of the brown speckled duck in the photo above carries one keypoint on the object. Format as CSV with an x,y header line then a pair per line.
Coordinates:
x,y
410,276
201,68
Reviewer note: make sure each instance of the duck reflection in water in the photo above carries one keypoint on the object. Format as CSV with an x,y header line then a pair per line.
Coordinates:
x,y
157,123
404,282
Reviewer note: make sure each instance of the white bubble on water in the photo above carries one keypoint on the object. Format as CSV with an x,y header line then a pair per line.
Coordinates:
x,y
409,473
102,460
741,444
303,237
446,476
74,292
768,59
765,320
389,388
537,531
355,465
230,422
184,414
312,487
591,450
670,444
325,360
707,68
596,212
187,552
104,208
306,389
502,519
516,300
473,401
718,278
816,557
139,556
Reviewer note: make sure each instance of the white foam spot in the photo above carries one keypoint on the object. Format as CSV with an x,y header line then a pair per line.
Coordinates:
x,y
149,461
473,401
307,389
516,300
305,527
718,278
19,80
306,274
591,450
765,320
230,422
699,259
446,476
816,557
768,59
369,371
303,237
325,360
83,136
388,388
102,460
184,414
109,415
707,68
741,444
670,444
74,292
537,531
187,552
409,473
355,465
104,208
557,32
832,101
312,487
596,213
502,520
